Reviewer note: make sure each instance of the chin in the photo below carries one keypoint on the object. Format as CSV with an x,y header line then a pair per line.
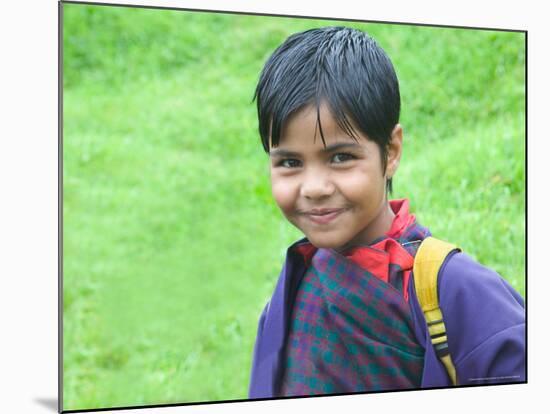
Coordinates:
x,y
324,242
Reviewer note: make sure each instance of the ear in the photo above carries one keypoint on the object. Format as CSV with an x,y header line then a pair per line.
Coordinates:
x,y
395,148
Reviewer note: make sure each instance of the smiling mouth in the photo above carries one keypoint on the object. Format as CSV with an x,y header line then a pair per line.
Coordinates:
x,y
323,216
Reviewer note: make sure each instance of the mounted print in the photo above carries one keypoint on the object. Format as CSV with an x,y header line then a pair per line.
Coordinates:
x,y
262,206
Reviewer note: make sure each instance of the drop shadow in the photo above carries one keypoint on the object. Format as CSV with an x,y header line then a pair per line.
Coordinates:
x,y
50,403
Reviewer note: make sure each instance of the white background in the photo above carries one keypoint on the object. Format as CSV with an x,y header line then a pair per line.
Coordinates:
x,y
29,203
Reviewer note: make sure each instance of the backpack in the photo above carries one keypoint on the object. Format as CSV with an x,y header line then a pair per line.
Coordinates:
x,y
428,260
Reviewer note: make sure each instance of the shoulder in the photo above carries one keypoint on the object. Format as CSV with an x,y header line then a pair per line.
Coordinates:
x,y
464,281
293,266
484,317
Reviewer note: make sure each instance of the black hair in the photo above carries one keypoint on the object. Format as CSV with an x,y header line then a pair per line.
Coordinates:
x,y
339,65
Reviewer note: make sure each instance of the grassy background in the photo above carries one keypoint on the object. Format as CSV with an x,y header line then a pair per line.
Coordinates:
x,y
172,243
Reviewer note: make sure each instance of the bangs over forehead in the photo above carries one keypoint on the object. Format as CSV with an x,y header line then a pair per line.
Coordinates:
x,y
339,66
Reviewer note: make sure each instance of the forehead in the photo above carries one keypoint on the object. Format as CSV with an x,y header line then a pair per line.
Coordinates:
x,y
302,130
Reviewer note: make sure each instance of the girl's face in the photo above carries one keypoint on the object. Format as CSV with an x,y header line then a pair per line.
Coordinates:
x,y
335,195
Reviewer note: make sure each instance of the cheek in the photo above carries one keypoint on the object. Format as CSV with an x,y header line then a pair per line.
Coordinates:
x,y
364,188
284,194
356,187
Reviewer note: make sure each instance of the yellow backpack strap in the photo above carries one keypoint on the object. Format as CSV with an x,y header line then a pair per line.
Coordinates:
x,y
427,262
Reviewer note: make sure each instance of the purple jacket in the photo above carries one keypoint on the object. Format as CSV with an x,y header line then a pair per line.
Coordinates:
x,y
484,317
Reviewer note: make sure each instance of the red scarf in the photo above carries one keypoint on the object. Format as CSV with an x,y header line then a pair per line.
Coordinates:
x,y
376,258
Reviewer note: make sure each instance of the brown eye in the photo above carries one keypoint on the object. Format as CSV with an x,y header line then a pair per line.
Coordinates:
x,y
289,163
342,157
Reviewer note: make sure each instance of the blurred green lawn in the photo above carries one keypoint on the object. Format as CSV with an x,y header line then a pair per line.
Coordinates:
x,y
171,241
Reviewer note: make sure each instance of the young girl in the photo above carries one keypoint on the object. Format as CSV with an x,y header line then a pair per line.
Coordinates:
x,y
344,316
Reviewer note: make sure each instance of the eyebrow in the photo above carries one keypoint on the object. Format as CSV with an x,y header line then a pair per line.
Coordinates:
x,y
280,152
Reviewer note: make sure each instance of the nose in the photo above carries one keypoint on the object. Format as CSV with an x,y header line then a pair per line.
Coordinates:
x,y
316,184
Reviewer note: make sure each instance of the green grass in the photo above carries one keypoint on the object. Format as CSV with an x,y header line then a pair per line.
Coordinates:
x,y
172,243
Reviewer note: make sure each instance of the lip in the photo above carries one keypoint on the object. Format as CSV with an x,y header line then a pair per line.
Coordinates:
x,y
323,216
